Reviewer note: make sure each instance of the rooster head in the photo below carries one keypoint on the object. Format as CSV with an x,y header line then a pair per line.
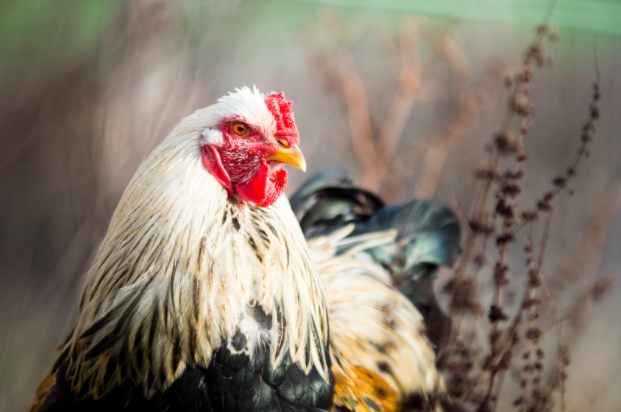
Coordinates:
x,y
251,139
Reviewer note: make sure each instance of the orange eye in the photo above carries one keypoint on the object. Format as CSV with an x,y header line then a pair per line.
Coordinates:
x,y
240,129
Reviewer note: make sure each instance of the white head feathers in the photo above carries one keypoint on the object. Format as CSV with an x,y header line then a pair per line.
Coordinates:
x,y
244,104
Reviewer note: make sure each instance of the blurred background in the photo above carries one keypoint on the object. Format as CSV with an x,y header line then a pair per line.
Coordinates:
x,y
405,94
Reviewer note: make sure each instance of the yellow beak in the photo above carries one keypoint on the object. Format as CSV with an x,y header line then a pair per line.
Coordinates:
x,y
291,155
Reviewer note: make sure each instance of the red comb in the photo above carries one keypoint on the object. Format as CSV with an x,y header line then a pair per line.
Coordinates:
x,y
283,114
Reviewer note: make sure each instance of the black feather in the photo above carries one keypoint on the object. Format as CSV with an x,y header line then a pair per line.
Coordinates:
x,y
328,201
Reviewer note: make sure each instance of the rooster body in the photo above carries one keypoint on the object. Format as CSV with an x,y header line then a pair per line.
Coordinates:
x,y
377,265
205,296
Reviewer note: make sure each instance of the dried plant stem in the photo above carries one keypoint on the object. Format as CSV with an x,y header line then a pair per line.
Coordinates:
x,y
464,223
505,193
544,238
558,320
460,120
561,181
533,262
531,346
591,244
358,112
376,154
501,379
402,102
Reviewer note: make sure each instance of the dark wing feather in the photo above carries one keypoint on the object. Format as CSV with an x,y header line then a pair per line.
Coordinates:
x,y
428,234
328,201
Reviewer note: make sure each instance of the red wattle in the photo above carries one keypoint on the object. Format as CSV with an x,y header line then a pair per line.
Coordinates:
x,y
212,162
265,187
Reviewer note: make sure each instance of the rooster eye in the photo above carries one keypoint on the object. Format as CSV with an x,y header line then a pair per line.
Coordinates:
x,y
240,129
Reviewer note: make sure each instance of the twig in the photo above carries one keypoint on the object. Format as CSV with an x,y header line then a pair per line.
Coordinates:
x,y
401,105
358,112
558,320
544,238
461,119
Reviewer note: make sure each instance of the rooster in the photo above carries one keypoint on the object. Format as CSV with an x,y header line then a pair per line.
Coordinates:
x,y
206,296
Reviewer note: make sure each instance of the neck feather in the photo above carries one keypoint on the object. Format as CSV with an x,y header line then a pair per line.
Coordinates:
x,y
177,271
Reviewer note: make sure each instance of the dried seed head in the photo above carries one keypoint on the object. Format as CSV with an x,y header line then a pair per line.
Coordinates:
x,y
496,314
533,333
559,181
504,144
510,189
504,209
529,217
602,287
487,173
504,239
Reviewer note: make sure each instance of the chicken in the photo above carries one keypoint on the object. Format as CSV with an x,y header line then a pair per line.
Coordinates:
x,y
204,294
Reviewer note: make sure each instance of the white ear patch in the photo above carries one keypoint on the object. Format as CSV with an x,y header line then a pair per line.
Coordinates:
x,y
212,136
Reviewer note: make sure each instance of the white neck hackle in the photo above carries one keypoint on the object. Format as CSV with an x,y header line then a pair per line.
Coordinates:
x,y
179,267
